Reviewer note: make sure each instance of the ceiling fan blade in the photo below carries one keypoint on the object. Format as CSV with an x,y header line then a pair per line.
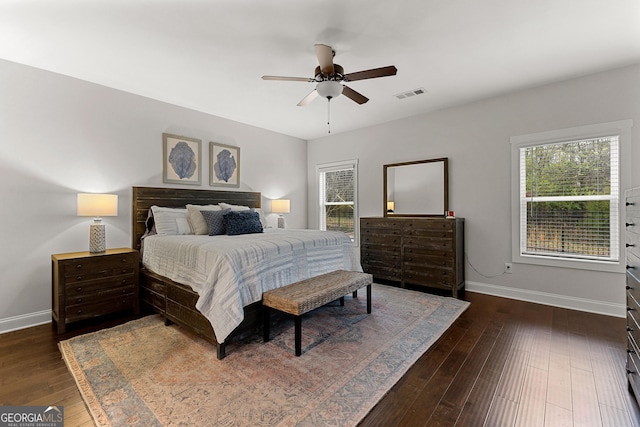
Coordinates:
x,y
371,74
307,99
353,95
288,79
325,58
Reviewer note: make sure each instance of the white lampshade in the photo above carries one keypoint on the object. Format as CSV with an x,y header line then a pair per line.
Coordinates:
x,y
281,206
97,205
329,89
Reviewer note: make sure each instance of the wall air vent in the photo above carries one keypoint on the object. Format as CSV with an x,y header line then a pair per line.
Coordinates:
x,y
410,93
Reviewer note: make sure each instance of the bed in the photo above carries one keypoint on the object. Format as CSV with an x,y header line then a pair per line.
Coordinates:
x,y
229,272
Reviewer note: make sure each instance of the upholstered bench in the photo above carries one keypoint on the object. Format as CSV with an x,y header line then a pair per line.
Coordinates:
x,y
302,297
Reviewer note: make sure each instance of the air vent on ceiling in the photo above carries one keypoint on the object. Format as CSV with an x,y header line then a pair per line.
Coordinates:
x,y
410,93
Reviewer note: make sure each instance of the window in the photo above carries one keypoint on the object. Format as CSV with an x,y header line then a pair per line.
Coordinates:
x,y
338,191
567,197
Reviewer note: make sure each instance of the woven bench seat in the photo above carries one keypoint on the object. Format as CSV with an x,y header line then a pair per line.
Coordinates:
x,y
302,297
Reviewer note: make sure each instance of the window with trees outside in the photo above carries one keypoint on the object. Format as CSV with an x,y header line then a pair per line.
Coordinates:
x,y
568,198
338,190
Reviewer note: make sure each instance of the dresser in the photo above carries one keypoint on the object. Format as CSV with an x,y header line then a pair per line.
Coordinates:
x,y
86,285
425,252
632,237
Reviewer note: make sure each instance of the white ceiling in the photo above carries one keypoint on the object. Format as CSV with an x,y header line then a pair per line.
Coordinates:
x,y
209,55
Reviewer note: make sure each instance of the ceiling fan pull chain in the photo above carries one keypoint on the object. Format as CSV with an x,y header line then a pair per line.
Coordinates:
x,y
329,114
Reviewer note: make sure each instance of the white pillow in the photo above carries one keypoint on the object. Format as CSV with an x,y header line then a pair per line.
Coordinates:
x,y
170,221
198,224
234,207
263,218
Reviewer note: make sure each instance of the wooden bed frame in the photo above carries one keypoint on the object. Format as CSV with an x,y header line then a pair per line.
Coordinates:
x,y
175,301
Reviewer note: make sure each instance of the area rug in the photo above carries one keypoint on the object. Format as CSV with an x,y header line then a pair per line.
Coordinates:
x,y
145,373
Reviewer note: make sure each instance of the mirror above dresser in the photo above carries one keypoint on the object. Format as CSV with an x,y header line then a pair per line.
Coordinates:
x,y
416,188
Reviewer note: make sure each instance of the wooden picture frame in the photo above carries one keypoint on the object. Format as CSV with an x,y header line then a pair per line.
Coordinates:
x,y
224,165
181,160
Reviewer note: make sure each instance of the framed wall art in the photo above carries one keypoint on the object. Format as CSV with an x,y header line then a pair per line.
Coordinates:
x,y
181,160
224,165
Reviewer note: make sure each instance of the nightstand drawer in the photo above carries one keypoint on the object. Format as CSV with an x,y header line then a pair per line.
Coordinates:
x,y
97,297
87,275
104,265
111,305
100,285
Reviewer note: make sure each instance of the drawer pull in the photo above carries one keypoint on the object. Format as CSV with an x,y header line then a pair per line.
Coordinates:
x,y
629,329
629,287
124,280
629,204
124,260
124,291
629,224
630,308
630,267
79,266
630,371
79,300
79,289
79,278
630,350
80,311
630,245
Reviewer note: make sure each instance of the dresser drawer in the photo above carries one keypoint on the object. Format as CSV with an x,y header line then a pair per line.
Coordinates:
x,y
381,223
440,259
428,243
391,239
436,278
426,226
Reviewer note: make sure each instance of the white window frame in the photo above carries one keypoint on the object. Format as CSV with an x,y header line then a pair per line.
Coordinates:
x,y
334,166
622,129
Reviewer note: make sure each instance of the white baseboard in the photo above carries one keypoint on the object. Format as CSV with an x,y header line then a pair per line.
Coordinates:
x,y
25,321
555,300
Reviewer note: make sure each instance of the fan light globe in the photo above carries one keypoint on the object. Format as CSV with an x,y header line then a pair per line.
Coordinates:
x,y
329,89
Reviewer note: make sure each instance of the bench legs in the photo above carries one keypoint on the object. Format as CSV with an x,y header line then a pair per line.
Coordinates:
x,y
298,322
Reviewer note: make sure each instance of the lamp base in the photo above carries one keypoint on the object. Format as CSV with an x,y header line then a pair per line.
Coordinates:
x,y
97,237
280,221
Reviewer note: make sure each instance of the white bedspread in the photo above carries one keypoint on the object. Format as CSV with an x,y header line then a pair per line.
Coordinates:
x,y
230,272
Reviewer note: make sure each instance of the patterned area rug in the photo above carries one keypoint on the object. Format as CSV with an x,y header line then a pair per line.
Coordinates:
x,y
145,373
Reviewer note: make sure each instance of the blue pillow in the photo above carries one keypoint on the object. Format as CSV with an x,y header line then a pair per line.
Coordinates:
x,y
242,222
215,221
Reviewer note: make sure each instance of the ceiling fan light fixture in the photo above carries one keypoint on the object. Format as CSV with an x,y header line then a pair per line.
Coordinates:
x,y
329,89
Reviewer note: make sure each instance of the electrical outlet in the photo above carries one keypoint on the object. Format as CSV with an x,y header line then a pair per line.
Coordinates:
x,y
508,267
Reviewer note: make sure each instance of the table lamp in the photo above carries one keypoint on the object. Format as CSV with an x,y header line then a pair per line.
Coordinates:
x,y
281,206
97,206
391,206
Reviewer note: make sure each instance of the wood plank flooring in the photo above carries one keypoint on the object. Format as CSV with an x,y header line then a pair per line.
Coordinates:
x,y
502,363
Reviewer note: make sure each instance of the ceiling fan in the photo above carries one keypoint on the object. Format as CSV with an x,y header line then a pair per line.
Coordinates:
x,y
329,76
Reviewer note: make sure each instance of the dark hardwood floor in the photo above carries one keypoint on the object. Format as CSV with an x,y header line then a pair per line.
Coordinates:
x,y
502,363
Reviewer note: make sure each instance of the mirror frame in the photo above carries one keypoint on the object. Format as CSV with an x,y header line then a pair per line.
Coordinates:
x,y
445,160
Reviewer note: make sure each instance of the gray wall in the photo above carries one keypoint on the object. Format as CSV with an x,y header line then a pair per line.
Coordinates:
x,y
62,136
475,137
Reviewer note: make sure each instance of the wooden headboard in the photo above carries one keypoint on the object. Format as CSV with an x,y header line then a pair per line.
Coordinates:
x,y
145,197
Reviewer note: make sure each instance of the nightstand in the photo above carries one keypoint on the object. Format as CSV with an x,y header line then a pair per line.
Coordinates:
x,y
86,285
